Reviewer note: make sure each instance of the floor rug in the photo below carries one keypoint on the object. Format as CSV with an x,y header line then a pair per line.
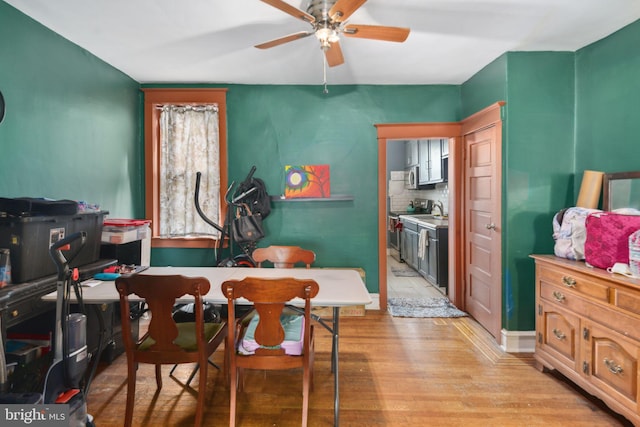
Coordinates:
x,y
423,307
404,272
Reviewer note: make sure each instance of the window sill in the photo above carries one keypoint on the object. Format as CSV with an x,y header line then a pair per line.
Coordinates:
x,y
184,242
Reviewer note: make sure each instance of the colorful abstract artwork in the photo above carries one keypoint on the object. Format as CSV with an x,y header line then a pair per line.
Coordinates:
x,y
307,181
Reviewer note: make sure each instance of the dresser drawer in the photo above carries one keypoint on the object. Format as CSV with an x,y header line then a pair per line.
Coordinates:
x,y
614,364
575,282
627,300
559,334
562,296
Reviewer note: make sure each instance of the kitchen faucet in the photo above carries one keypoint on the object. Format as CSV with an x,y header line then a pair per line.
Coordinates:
x,y
438,204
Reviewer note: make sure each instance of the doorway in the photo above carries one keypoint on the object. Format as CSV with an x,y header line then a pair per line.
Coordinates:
x,y
388,134
460,225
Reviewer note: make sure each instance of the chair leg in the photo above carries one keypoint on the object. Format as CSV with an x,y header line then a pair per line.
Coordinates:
x,y
232,396
305,396
202,392
131,392
159,376
173,369
193,374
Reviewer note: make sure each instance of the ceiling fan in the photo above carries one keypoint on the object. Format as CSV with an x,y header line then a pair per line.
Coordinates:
x,y
328,22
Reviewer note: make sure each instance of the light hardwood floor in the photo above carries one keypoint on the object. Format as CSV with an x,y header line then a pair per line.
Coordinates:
x,y
393,372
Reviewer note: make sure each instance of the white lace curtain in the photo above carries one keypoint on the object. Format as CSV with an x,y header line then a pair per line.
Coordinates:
x,y
189,143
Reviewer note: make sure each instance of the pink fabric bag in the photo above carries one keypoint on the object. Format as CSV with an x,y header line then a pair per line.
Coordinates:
x,y
608,238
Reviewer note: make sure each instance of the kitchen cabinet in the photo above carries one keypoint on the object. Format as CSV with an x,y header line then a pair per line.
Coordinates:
x,y
433,262
409,242
411,153
588,328
431,165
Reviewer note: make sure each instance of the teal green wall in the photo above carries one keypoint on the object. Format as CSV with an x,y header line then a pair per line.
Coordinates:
x,y
537,161
538,169
608,103
273,126
486,87
71,128
565,112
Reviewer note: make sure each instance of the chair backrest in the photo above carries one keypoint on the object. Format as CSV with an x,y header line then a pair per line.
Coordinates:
x,y
269,297
284,256
160,293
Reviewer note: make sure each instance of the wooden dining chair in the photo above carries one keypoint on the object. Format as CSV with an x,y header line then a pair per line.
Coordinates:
x,y
168,342
284,256
272,340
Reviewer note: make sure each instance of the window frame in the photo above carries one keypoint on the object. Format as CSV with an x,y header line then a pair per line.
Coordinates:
x,y
153,98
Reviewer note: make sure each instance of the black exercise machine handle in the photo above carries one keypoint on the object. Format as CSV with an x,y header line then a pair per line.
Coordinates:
x,y
200,211
56,249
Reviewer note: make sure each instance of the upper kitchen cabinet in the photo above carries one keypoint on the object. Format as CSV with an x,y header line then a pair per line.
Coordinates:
x,y
411,153
431,168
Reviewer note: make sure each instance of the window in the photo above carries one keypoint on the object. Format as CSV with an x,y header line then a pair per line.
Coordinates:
x,y
183,100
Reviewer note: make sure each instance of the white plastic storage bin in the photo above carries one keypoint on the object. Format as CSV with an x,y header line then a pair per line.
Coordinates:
x,y
119,231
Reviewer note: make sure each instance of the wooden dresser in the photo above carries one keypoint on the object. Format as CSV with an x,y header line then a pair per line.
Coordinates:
x,y
588,328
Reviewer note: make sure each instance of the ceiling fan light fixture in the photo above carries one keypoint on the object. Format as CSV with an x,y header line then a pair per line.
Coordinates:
x,y
327,35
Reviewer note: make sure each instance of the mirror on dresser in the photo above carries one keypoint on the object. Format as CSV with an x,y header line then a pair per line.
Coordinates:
x,y
621,190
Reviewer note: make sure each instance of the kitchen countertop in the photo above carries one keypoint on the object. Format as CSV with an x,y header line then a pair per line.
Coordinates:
x,y
431,221
398,213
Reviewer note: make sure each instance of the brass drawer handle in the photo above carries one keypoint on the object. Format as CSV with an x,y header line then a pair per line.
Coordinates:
x,y
613,368
558,333
568,281
558,296
15,313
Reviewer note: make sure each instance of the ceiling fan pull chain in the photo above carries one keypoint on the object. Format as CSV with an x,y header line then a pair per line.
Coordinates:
x,y
324,74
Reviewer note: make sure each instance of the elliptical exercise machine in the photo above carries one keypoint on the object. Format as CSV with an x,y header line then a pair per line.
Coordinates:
x,y
251,192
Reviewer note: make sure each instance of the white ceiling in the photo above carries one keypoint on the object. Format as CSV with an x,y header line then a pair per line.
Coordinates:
x,y
211,41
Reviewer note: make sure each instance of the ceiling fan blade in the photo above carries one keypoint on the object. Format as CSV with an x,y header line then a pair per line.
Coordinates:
x,y
344,9
285,39
377,32
293,11
334,55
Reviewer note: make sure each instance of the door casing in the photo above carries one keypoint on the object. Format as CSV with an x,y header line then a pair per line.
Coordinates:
x,y
453,131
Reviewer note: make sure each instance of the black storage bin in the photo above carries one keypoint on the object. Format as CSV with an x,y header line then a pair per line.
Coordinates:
x,y
29,239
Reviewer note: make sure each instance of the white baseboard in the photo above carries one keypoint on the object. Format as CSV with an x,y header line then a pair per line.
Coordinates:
x,y
518,341
375,302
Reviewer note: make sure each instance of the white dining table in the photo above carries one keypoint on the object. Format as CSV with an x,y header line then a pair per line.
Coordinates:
x,y
339,287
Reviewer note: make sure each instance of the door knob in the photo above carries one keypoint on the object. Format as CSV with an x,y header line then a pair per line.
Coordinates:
x,y
491,226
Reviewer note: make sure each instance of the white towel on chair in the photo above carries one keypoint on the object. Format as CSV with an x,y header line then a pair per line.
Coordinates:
x,y
423,242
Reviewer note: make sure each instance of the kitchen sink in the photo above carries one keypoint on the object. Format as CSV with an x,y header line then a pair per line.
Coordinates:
x,y
423,216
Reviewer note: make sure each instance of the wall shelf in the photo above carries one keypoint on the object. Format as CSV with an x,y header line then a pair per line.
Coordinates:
x,y
336,198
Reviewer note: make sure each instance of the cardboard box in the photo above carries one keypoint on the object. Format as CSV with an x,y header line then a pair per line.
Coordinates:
x,y
348,311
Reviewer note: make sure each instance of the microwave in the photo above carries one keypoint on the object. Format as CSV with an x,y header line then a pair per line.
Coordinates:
x,y
411,178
